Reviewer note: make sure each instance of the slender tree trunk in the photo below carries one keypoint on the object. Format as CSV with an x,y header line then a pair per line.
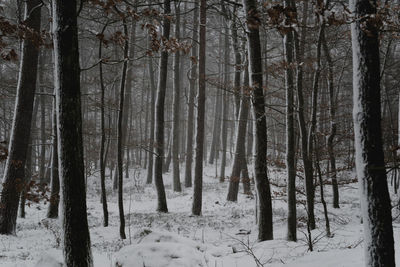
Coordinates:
x,y
370,164
159,131
198,171
149,179
307,160
192,92
52,212
76,239
14,173
176,108
120,134
332,134
260,164
290,135
103,137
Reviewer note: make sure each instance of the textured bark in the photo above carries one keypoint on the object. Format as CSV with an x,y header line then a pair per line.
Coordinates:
x,y
265,229
225,102
120,135
103,138
14,173
290,135
192,93
370,165
159,131
76,238
198,169
333,128
176,108
149,178
52,211
307,158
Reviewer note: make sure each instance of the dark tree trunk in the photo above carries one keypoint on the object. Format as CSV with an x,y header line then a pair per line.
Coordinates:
x,y
260,164
176,108
159,131
77,250
370,164
198,169
103,138
149,179
14,173
120,135
28,163
52,212
290,135
192,92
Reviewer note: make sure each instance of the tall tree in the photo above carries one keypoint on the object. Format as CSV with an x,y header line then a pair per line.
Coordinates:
x,y
370,165
176,107
201,99
149,178
159,131
14,173
265,230
76,237
192,92
290,134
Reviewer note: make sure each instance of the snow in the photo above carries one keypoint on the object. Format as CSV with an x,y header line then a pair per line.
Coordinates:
x,y
225,235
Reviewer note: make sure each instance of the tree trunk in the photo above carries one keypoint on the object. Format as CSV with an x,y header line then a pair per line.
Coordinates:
x,y
260,164
159,131
14,173
103,138
120,134
290,135
176,108
370,165
52,212
77,250
192,92
149,178
198,169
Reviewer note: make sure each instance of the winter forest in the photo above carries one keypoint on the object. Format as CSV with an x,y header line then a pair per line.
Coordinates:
x,y
199,133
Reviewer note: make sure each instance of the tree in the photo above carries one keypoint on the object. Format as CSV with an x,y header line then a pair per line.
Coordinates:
x,y
265,231
370,165
201,99
290,131
76,239
159,131
176,107
14,174
192,92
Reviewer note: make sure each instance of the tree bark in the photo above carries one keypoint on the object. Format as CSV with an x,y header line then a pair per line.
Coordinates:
x,y
159,131
192,92
176,108
265,231
370,165
76,239
14,173
198,171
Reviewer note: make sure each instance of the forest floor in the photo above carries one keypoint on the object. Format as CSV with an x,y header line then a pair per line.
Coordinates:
x,y
224,236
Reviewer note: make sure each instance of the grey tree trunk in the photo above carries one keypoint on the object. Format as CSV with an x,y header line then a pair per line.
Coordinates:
x,y
149,178
290,135
370,164
120,134
265,229
159,131
14,173
192,92
52,211
76,237
176,108
198,171
103,138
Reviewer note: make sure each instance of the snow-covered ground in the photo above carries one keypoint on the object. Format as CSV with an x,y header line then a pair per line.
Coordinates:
x,y
224,236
